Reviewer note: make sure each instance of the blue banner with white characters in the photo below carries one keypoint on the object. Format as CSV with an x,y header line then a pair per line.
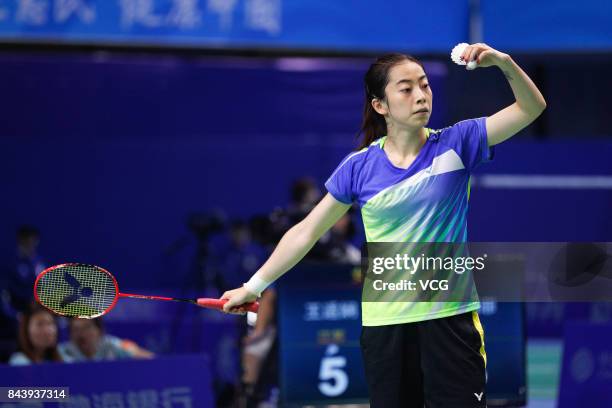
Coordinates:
x,y
320,24
586,375
168,382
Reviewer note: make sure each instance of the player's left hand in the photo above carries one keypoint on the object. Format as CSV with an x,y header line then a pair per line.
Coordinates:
x,y
484,55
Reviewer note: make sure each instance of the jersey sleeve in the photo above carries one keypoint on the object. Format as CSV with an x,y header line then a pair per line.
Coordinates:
x,y
469,139
341,182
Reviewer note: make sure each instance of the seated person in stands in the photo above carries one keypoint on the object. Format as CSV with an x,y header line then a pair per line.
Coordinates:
x,y
259,352
37,337
27,265
88,341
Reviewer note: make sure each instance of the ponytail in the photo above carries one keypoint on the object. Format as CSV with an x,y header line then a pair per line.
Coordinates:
x,y
373,124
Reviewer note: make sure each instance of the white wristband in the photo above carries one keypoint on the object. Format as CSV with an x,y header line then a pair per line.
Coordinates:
x,y
256,285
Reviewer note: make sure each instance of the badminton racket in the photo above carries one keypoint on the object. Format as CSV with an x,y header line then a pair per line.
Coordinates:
x,y
89,291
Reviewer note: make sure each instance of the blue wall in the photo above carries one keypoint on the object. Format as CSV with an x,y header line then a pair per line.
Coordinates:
x,y
108,154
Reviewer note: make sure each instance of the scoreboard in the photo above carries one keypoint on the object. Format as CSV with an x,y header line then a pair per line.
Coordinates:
x,y
320,324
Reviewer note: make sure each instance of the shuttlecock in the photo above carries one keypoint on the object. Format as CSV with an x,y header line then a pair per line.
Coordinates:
x,y
456,54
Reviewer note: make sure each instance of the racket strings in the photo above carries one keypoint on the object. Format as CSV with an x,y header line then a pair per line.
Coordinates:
x,y
77,290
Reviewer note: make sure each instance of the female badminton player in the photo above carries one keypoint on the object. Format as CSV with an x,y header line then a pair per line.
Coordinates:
x,y
415,353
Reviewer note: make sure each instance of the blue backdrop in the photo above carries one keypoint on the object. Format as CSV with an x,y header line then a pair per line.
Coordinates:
x,y
109,154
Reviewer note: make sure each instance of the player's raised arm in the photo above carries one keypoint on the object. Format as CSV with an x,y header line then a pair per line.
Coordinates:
x,y
529,100
292,247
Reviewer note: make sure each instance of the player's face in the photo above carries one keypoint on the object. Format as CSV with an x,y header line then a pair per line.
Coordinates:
x,y
42,330
408,95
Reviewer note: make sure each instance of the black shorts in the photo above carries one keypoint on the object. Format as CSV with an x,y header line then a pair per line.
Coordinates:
x,y
439,363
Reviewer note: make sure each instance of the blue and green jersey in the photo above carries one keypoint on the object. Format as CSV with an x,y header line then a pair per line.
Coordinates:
x,y
427,202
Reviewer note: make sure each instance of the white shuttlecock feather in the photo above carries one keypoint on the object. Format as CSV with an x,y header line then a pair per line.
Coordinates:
x,y
456,53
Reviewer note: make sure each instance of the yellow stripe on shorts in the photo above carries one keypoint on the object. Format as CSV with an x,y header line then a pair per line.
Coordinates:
x,y
480,331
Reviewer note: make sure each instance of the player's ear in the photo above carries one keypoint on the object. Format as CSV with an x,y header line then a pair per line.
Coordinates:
x,y
380,106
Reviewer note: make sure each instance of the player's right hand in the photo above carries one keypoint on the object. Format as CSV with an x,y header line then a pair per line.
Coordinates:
x,y
236,298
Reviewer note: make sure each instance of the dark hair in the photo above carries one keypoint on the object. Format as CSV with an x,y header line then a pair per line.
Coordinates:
x,y
97,323
27,231
373,124
300,189
25,342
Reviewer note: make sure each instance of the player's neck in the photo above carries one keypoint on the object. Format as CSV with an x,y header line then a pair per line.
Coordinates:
x,y
405,142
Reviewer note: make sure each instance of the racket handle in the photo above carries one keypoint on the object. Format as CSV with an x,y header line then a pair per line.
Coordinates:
x,y
218,304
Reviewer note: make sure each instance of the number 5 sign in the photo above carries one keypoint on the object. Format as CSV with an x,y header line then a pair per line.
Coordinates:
x,y
333,379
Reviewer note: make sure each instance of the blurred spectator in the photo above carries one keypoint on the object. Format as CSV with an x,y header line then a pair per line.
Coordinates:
x,y
263,231
305,194
260,354
338,241
207,227
260,347
27,267
8,336
37,337
237,256
88,341
335,245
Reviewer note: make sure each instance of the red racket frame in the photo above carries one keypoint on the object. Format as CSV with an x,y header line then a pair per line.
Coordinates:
x,y
208,303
